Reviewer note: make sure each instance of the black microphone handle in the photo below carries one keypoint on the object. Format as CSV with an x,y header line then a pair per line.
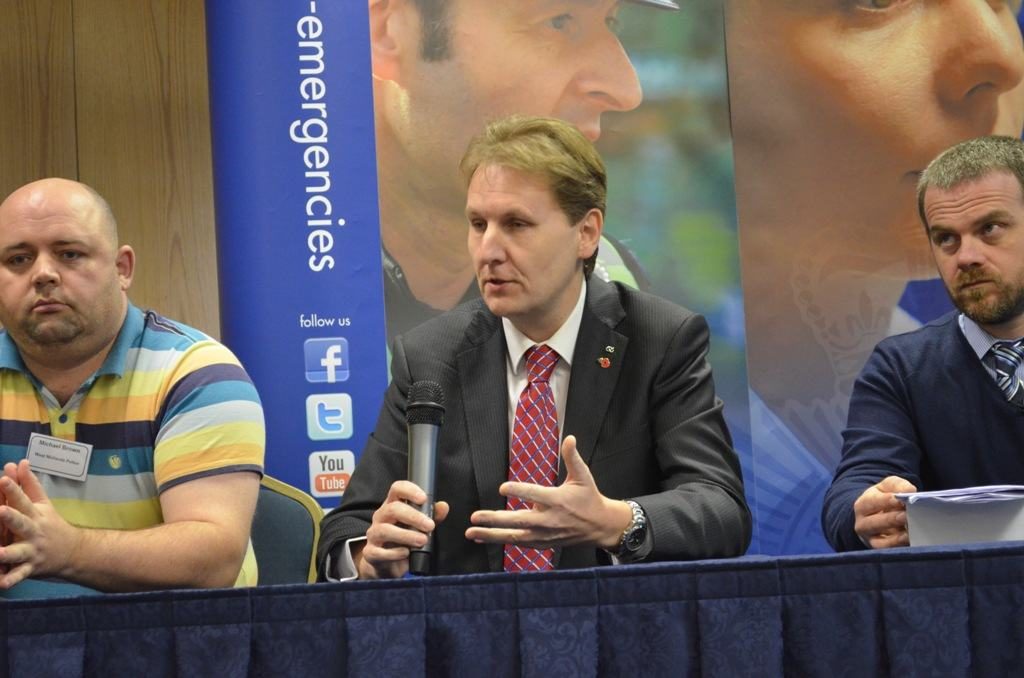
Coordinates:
x,y
422,467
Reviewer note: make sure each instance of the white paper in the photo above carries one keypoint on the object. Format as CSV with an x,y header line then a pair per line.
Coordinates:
x,y
966,515
981,493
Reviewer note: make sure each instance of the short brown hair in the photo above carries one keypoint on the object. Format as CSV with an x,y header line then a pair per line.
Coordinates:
x,y
550,148
971,160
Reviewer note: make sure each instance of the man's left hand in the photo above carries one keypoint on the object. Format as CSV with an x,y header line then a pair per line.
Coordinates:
x,y
41,542
573,513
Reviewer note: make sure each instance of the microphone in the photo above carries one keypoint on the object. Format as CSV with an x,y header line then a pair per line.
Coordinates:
x,y
424,415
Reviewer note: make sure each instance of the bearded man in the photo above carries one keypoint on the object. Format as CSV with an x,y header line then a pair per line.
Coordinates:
x,y
943,406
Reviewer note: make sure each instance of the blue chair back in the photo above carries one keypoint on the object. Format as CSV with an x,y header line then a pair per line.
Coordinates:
x,y
285,531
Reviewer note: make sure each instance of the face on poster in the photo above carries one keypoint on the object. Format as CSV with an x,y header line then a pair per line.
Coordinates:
x,y
837,105
646,83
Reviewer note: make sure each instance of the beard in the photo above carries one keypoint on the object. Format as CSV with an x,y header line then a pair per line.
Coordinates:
x,y
984,306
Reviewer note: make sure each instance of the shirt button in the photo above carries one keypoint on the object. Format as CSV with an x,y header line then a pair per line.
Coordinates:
x,y
63,418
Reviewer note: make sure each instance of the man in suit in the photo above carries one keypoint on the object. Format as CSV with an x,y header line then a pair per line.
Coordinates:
x,y
645,471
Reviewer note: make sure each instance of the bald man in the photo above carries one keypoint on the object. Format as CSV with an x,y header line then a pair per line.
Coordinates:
x,y
132,445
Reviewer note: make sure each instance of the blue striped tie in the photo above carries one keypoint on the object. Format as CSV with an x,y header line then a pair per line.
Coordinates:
x,y
1008,356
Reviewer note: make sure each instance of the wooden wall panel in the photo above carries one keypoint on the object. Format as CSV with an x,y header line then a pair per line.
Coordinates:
x,y
37,102
144,143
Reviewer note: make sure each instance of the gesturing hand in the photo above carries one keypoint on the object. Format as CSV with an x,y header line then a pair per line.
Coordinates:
x,y
573,513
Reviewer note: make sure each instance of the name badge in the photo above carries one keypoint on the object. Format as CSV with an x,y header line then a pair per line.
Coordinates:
x,y
59,457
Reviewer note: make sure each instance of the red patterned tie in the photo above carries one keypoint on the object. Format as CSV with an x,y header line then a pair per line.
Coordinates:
x,y
533,457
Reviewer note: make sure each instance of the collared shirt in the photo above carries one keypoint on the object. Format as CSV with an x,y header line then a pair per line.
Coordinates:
x,y
981,342
563,341
168,405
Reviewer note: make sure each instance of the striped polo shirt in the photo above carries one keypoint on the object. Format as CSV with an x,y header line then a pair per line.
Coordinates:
x,y
168,405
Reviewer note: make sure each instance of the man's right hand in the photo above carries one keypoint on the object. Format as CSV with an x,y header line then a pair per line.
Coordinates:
x,y
397,528
880,519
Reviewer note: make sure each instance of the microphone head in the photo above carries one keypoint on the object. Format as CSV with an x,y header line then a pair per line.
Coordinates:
x,y
426,404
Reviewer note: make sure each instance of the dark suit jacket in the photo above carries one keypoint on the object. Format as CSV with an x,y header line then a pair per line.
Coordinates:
x,y
649,426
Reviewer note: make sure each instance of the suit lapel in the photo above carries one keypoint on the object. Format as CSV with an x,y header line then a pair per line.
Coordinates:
x,y
596,364
482,379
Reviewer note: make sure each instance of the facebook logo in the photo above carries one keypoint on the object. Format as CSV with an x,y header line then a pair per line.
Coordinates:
x,y
329,416
326,360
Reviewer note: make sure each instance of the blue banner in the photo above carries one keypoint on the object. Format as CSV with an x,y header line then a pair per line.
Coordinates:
x,y
298,240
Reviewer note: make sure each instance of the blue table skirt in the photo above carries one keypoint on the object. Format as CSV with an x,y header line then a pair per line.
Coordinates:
x,y
951,611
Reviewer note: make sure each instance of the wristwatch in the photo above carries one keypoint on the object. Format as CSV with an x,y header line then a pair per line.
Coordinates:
x,y
635,534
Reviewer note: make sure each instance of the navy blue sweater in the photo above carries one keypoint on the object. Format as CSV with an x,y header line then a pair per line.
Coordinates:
x,y
924,408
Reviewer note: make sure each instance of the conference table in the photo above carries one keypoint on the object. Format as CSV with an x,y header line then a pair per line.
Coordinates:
x,y
941,611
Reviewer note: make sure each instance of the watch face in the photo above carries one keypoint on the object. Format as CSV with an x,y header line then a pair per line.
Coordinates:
x,y
636,538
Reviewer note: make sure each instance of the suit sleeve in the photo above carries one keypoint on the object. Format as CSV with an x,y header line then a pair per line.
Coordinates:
x,y
383,461
880,440
701,511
